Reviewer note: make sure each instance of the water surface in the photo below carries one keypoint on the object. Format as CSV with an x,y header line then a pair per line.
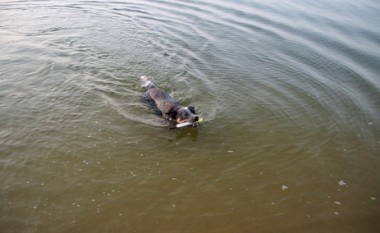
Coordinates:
x,y
289,91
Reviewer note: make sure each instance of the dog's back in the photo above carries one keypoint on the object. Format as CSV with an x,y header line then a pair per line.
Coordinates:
x,y
164,102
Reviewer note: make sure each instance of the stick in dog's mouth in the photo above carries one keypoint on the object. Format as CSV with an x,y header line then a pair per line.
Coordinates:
x,y
195,124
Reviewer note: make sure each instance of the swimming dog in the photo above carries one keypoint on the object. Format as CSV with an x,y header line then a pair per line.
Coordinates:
x,y
169,108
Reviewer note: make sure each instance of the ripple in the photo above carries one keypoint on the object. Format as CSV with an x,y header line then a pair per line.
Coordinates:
x,y
188,35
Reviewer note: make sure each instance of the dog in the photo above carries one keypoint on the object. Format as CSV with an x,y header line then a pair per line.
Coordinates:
x,y
168,107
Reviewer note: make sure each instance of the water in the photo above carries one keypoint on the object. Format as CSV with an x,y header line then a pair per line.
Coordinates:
x,y
289,91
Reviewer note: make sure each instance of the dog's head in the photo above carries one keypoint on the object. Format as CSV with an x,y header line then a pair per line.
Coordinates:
x,y
186,114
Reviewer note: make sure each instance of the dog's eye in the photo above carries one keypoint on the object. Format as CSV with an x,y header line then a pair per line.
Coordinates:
x,y
184,115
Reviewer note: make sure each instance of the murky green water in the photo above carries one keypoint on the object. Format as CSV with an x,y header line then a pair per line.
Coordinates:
x,y
289,90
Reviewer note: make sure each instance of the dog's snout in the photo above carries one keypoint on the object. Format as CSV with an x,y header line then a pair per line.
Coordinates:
x,y
196,118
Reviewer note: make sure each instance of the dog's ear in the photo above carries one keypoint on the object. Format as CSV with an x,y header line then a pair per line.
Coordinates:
x,y
172,114
192,109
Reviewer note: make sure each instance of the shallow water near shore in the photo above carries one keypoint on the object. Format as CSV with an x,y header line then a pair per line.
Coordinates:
x,y
289,92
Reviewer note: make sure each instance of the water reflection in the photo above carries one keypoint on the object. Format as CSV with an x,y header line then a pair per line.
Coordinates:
x,y
190,133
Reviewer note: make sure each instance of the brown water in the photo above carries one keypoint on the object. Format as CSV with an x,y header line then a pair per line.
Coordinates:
x,y
290,94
